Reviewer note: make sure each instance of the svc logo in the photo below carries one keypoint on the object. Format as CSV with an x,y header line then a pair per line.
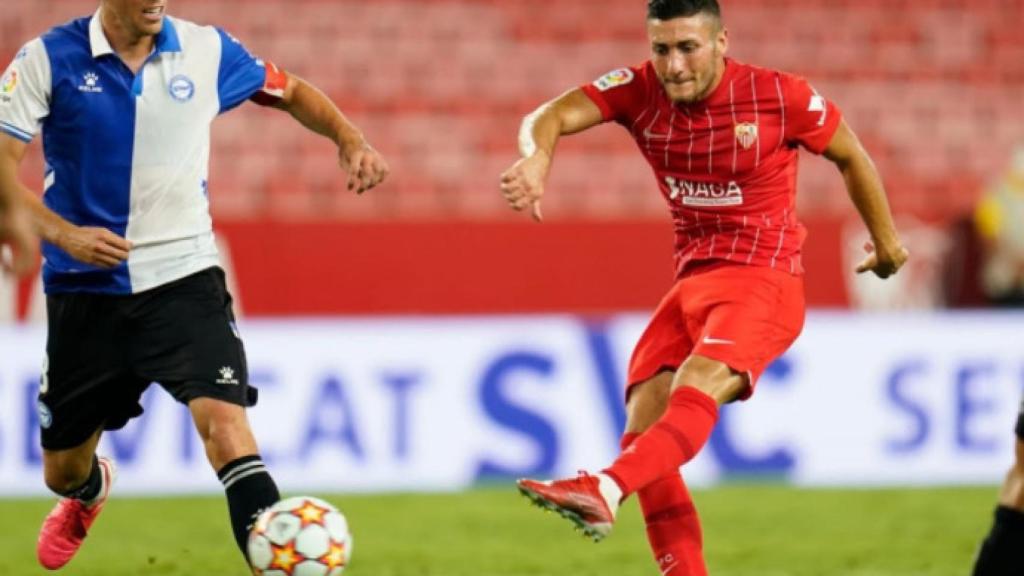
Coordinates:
x,y
90,83
181,88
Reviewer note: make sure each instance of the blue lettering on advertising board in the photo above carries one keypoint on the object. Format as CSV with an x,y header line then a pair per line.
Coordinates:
x,y
332,419
401,385
735,462
503,411
611,384
970,407
33,453
896,390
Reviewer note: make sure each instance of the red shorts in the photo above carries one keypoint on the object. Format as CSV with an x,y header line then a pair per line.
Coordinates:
x,y
743,316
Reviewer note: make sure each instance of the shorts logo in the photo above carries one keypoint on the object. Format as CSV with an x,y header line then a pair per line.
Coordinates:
x,y
182,88
45,416
746,134
90,83
619,77
691,193
227,376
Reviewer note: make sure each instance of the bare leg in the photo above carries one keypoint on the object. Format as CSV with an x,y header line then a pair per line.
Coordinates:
x,y
65,470
232,452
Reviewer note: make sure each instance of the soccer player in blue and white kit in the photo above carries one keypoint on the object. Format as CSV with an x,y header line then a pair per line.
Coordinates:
x,y
124,100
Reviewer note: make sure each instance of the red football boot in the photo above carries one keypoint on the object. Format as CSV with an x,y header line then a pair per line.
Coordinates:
x,y
68,523
577,499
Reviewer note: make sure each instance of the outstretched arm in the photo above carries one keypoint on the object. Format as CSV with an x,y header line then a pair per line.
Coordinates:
x,y
864,185
522,185
314,110
91,245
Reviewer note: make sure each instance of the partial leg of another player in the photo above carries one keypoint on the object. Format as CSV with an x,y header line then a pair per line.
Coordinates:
x,y
83,481
673,526
1002,552
698,387
232,452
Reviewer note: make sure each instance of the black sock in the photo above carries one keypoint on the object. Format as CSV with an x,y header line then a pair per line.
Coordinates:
x,y
250,490
1002,552
91,489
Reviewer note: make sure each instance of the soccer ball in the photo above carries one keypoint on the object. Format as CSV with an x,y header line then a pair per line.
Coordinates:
x,y
301,536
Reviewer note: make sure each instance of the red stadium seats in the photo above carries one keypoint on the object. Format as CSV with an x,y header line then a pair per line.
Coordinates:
x,y
440,86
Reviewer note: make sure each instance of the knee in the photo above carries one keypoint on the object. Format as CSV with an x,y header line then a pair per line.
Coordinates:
x,y
227,439
714,378
647,402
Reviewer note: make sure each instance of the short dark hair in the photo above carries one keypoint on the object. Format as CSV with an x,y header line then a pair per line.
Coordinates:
x,y
668,9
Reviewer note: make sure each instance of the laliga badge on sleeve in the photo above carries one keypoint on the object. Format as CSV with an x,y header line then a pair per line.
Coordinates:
x,y
8,82
619,77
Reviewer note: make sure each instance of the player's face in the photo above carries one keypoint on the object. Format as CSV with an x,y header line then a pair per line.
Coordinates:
x,y
688,55
138,17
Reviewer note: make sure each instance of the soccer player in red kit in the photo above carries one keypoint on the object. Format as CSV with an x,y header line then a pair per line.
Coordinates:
x,y
722,138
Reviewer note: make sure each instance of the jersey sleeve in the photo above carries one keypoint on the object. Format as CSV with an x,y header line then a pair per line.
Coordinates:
x,y
242,76
810,119
25,89
620,94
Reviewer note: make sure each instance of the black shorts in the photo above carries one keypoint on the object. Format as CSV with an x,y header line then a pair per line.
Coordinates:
x,y
103,351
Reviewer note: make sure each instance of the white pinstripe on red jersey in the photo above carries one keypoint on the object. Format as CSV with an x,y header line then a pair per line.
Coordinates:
x,y
735,143
757,119
711,142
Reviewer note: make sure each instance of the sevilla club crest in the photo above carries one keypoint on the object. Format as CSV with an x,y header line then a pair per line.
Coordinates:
x,y
746,134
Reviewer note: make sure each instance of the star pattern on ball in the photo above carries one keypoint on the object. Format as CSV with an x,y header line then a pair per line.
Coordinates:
x,y
285,558
335,557
309,513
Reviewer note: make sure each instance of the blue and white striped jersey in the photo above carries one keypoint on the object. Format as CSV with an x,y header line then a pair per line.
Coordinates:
x,y
128,152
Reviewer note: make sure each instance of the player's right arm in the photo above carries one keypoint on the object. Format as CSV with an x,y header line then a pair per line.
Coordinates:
x,y
91,245
522,185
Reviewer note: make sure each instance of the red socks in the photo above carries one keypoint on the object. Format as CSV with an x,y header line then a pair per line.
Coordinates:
x,y
673,527
673,440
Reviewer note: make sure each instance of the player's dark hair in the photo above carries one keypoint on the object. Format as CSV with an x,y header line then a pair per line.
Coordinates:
x,y
668,9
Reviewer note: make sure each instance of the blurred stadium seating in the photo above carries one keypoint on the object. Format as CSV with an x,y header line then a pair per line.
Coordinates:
x,y
441,85
933,88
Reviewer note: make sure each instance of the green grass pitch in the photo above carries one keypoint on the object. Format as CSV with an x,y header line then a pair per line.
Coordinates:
x,y
762,530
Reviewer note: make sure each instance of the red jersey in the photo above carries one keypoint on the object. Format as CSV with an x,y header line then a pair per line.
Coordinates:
x,y
726,165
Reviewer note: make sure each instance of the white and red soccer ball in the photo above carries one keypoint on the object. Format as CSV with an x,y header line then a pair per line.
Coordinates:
x,y
301,536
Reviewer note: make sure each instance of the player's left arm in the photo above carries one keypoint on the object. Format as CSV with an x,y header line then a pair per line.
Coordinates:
x,y
314,110
863,183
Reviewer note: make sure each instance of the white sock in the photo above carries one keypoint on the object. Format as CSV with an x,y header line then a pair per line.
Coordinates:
x,y
610,491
